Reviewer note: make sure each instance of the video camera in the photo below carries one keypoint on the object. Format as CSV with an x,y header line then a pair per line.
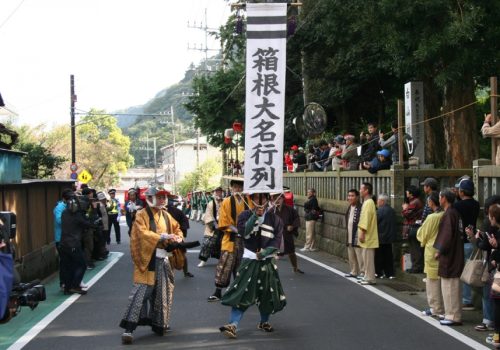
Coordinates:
x,y
21,294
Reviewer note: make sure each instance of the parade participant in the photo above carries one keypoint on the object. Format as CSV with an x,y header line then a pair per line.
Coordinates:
x,y
257,279
211,236
183,221
232,245
291,224
114,215
203,205
194,205
153,233
354,251
133,205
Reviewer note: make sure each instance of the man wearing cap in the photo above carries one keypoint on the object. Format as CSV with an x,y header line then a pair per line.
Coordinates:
x,y
133,205
350,153
468,208
381,162
291,224
257,280
114,215
232,244
430,185
154,233
211,235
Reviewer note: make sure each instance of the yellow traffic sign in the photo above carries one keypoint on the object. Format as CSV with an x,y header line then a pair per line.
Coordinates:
x,y
84,177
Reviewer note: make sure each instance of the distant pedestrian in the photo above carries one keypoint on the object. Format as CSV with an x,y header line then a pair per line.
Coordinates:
x,y
450,253
313,212
133,205
426,235
386,225
354,251
468,208
114,212
212,235
291,224
412,211
67,194
368,232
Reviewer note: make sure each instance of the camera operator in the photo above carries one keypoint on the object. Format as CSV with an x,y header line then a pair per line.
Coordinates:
x,y
73,224
6,276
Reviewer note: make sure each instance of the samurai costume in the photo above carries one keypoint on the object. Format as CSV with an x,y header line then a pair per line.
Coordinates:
x,y
290,217
232,245
212,236
257,280
150,301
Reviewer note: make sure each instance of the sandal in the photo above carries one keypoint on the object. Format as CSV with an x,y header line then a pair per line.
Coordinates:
x,y
483,328
229,330
265,326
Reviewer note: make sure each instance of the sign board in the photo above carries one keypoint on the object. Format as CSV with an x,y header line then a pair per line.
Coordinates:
x,y
73,176
414,117
265,96
84,177
73,167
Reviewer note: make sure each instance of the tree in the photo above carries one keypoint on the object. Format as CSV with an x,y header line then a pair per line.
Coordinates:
x,y
102,149
39,162
204,177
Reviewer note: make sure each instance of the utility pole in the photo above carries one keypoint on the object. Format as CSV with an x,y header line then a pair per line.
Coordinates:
x,y
197,147
173,149
202,48
73,100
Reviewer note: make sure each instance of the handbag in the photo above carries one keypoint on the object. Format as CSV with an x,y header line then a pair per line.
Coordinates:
x,y
475,272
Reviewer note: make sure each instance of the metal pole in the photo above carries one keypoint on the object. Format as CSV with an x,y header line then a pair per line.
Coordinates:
x,y
154,156
494,115
197,147
401,111
173,149
73,100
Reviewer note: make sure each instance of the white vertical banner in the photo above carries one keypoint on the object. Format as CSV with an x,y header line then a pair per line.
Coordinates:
x,y
265,96
414,117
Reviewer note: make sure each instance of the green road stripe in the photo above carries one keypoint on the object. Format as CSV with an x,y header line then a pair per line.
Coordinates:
x,y
27,319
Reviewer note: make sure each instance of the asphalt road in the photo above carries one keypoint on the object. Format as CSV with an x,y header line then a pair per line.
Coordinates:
x,y
324,311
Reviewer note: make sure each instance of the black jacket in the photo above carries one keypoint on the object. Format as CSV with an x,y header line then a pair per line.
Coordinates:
x,y
72,227
386,224
311,207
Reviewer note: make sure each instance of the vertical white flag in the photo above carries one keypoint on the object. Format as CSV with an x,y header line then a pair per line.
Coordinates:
x,y
265,97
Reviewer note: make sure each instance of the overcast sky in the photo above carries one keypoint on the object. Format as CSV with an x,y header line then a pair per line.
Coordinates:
x,y
122,52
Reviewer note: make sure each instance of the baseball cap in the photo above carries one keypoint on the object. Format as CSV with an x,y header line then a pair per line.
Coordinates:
x,y
430,181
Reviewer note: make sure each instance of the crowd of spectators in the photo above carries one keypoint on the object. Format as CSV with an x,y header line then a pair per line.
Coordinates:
x,y
372,151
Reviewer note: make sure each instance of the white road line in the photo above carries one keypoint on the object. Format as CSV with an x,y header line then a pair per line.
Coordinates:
x,y
33,332
446,329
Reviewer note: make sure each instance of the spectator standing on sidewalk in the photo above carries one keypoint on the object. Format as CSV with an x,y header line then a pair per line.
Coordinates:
x,y
312,210
114,211
386,224
67,194
430,185
450,254
354,251
412,211
426,235
368,232
468,208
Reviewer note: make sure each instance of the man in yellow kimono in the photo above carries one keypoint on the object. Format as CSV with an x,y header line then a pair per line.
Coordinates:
x,y
153,235
426,234
368,232
232,244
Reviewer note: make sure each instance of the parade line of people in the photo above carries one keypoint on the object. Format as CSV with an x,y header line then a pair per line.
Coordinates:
x,y
247,232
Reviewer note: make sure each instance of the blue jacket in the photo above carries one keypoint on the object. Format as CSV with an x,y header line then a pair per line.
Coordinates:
x,y
58,210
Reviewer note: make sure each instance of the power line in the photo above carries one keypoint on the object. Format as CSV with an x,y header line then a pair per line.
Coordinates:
x,y
11,14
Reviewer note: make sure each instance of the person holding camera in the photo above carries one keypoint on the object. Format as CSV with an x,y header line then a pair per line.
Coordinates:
x,y
73,224
67,194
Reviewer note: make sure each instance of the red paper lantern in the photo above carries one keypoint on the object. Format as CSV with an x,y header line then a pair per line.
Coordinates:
x,y
237,127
